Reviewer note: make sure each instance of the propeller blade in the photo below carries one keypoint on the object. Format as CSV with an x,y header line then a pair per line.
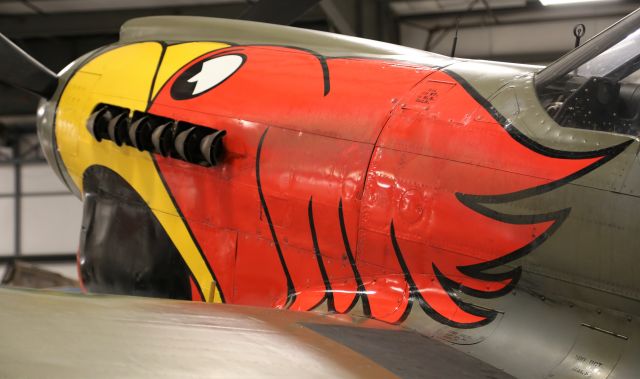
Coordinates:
x,y
283,12
18,69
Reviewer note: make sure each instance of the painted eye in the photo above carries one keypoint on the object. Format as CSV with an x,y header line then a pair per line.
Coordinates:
x,y
205,75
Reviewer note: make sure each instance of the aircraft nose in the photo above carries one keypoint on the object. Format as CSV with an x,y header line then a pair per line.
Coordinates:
x,y
46,136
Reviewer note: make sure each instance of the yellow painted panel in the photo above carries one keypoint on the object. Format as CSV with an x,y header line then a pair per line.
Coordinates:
x,y
176,56
123,77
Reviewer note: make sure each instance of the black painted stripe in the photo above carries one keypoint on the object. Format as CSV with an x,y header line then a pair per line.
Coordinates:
x,y
475,271
328,294
449,286
155,75
325,74
362,291
173,200
291,291
326,79
415,294
519,136
610,153
513,276
475,202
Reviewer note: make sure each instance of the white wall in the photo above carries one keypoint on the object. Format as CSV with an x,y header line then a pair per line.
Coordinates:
x,y
51,216
504,40
525,34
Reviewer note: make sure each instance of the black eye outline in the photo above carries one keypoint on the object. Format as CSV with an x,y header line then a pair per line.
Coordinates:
x,y
182,89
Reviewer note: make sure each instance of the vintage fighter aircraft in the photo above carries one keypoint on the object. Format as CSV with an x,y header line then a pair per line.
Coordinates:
x,y
488,205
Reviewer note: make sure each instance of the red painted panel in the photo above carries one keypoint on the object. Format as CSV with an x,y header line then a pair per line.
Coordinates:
x,y
195,291
418,194
452,125
224,196
349,99
299,168
259,278
386,287
314,123
440,144
285,87
219,247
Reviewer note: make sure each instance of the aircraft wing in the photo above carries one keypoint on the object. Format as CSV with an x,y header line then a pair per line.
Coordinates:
x,y
55,335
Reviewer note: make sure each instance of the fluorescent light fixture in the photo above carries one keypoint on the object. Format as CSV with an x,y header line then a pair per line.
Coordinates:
x,y
564,2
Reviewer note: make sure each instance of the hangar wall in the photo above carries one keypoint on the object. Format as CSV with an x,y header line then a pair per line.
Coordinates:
x,y
536,34
497,42
39,218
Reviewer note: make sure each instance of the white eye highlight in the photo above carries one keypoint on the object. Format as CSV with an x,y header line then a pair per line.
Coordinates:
x,y
214,72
